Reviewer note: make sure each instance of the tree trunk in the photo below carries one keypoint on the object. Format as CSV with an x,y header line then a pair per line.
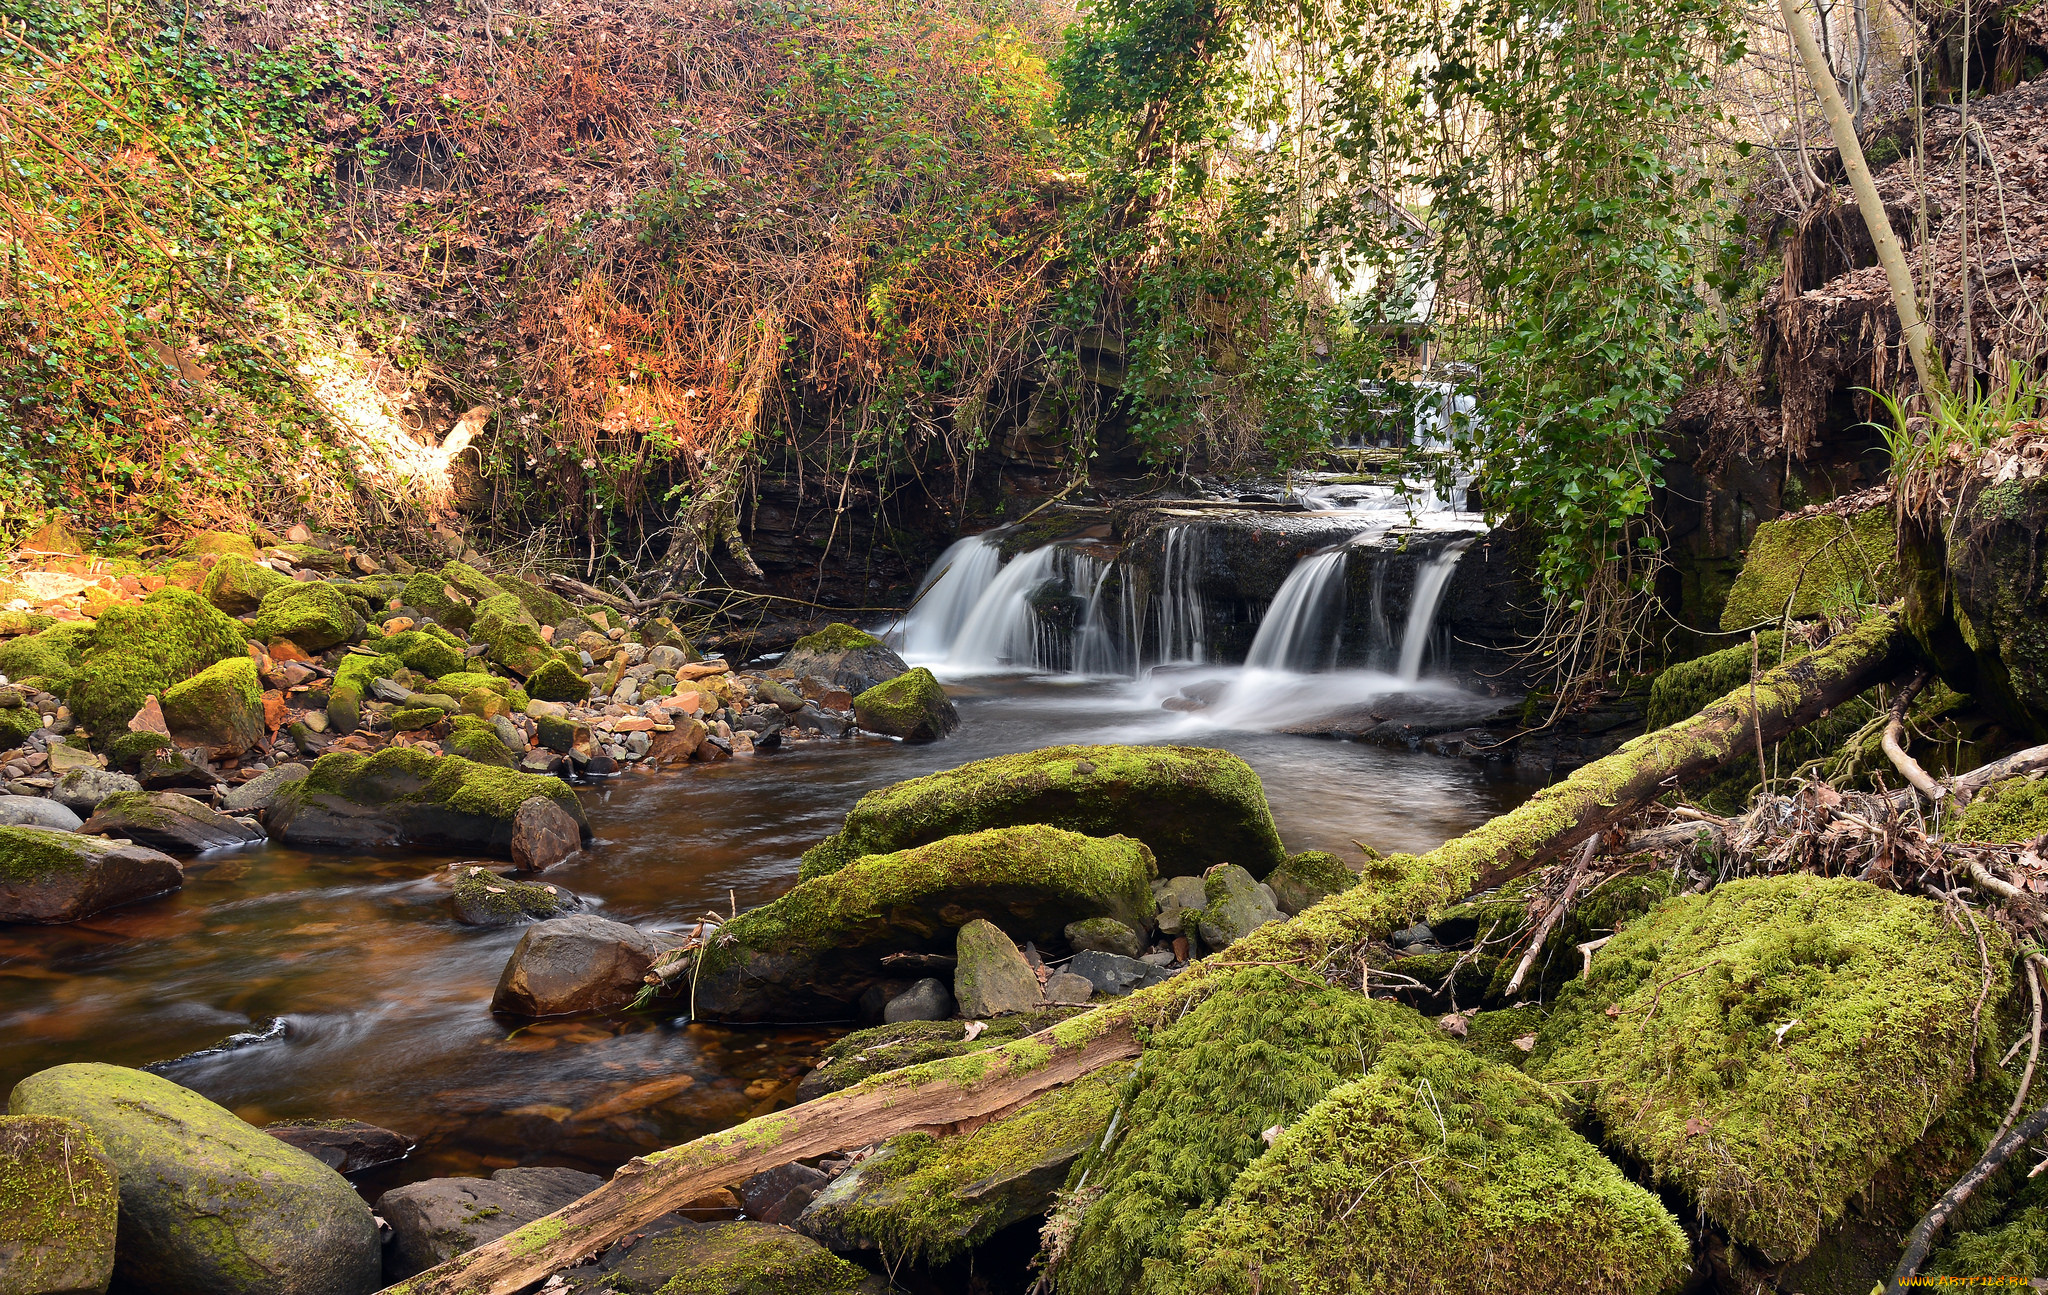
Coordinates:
x,y
983,1084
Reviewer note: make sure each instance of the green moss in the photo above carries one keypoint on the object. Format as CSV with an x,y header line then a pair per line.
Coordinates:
x,y
1776,1044
311,613
1261,1049
1437,1171
426,591
1492,1034
837,637
222,544
2016,1248
423,652
1822,564
555,681
58,1203
908,1043
473,739
1193,806
1308,878
479,890
127,751
14,622
237,585
33,853
408,774
1684,690
470,582
410,719
741,1258
222,704
142,649
2012,811
513,635
54,653
547,608
912,705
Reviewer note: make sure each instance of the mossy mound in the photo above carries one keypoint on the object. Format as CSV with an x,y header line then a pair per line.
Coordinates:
x,y
14,622
912,706
220,544
237,586
402,795
1684,690
142,649
16,723
311,613
411,719
1262,1049
546,607
2017,1247
464,682
1193,806
58,1201
865,1053
220,708
475,739
928,1199
424,652
1770,1048
555,681
837,637
127,751
810,954
1821,564
53,653
1305,879
513,635
740,1258
483,898
1438,1171
427,591
2008,812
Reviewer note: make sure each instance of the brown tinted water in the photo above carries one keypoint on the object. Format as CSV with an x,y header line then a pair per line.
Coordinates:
x,y
386,999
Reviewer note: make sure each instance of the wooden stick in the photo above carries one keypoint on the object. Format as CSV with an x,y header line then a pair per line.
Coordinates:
x,y
2019,764
1554,915
2019,1099
1894,746
1921,1239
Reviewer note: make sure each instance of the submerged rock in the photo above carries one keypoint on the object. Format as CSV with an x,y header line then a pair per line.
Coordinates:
x,y
811,953
579,963
1193,806
54,876
404,796
483,898
737,1258
928,1199
912,706
345,1146
209,1203
1819,1029
991,976
441,1218
58,1203
840,654
165,820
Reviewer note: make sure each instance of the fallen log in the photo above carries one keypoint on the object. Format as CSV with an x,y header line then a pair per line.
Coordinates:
x,y
983,1084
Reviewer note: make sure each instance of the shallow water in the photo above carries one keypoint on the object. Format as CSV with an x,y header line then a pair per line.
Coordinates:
x,y
386,998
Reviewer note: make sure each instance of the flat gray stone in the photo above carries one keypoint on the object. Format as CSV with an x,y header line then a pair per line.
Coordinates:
x,y
37,811
1112,973
927,1000
259,792
166,820
83,789
436,1220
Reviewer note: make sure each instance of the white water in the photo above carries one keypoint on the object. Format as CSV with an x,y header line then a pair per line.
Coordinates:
x,y
948,595
1302,628
1001,630
1429,595
1183,613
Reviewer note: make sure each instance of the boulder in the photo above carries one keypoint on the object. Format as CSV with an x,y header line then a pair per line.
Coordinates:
x,y
440,1218
810,954
476,740
483,898
1178,897
1066,987
927,1000
237,585
1502,1195
1104,935
55,876
1193,806
1236,906
1819,563
580,963
929,1199
851,658
990,975
544,834
404,796
261,792
428,654
1112,973
311,613
512,634
1821,1029
779,1195
345,1146
553,680
208,1202
37,811
912,706
743,1257
1308,878
165,820
54,654
58,1203
140,650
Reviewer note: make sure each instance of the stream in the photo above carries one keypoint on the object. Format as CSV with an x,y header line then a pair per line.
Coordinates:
x,y
384,998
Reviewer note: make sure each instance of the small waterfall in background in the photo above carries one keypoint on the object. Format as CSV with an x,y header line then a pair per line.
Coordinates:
x,y
1183,614
1110,636
1303,627
1429,595
955,584
1001,631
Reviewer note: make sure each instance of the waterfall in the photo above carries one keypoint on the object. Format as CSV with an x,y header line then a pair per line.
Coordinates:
x,y
1302,627
1422,607
1183,614
1001,632
956,582
1108,642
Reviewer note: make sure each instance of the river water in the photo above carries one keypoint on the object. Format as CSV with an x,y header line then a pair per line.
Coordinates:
x,y
385,999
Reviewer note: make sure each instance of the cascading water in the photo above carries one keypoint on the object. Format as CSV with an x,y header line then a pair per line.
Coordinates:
x,y
944,601
1001,632
1303,628
1183,614
1430,583
1108,641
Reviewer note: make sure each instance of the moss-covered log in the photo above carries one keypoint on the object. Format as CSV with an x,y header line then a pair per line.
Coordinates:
x,y
1403,888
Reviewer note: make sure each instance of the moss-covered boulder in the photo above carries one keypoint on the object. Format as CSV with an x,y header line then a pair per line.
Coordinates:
x,y
1193,806
404,796
555,681
2005,812
1306,879
912,706
168,821
53,654
351,682
2016,1247
513,635
1777,1047
908,1043
544,606
220,708
737,1258
237,586
474,739
427,653
1436,1171
846,657
930,1199
483,898
141,649
1819,563
218,544
311,613
810,954
1261,1050
209,1203
58,1200
428,592
18,718
1234,907
48,875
